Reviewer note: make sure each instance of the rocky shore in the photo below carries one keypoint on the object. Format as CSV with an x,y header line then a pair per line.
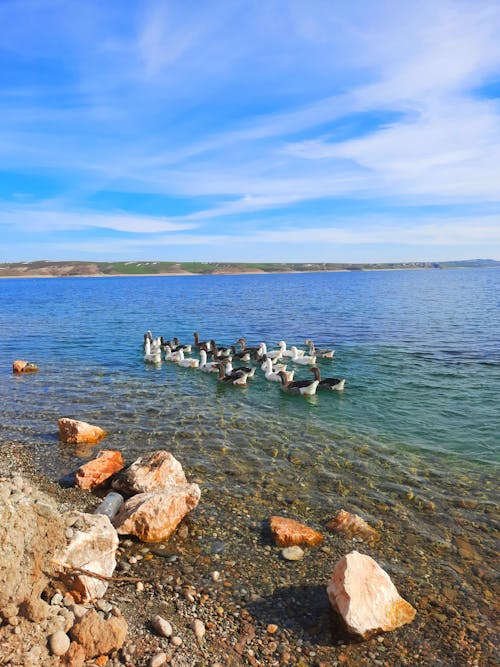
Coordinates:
x,y
219,591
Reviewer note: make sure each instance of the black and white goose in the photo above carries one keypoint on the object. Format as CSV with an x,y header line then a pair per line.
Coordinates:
x,y
331,384
300,387
321,354
238,378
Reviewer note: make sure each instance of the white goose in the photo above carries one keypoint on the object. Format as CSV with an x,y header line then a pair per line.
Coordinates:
x,y
171,356
272,354
289,353
274,376
244,369
276,368
186,363
151,355
301,387
207,366
304,360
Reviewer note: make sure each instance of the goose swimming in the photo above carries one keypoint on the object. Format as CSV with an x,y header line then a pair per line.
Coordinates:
x,y
245,369
242,355
321,354
304,359
300,387
185,363
198,343
237,378
332,384
207,366
151,355
274,376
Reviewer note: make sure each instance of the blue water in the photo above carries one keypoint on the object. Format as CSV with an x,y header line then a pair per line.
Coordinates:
x,y
419,350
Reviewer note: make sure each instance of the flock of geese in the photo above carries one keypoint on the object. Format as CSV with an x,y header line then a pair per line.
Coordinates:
x,y
219,359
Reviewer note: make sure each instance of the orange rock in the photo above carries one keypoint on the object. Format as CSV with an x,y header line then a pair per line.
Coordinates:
x,y
353,525
99,636
96,472
20,366
74,432
364,595
287,532
156,471
153,517
75,656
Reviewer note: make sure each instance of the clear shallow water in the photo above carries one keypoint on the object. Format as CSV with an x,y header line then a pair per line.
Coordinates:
x,y
419,351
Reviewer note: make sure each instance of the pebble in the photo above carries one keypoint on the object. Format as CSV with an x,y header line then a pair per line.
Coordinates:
x,y
162,626
56,599
158,660
215,575
272,628
59,643
198,628
104,606
292,553
139,586
176,641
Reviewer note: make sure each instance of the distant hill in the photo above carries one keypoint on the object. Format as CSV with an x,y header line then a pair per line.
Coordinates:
x,y
50,268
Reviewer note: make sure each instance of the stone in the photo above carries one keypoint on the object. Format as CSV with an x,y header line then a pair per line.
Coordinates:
x,y
287,533
293,553
99,636
153,517
365,597
92,548
96,472
21,366
155,471
161,626
352,525
158,660
198,627
75,657
176,641
59,643
75,432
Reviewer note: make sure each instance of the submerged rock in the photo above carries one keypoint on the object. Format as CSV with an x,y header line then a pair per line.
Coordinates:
x,y
74,432
21,366
364,595
353,525
153,517
156,471
287,533
96,472
91,547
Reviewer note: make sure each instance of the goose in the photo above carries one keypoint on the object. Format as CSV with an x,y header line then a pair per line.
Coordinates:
x,y
274,376
302,387
289,353
244,369
171,356
272,354
151,355
219,351
275,367
244,347
186,363
321,354
178,346
242,355
301,359
237,378
331,384
207,367
198,343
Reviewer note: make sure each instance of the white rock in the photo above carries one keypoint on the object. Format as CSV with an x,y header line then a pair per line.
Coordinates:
x,y
364,595
292,553
162,626
59,643
198,628
158,660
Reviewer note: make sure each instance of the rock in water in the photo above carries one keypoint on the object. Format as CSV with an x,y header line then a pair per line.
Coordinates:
x,y
353,525
153,517
156,471
96,472
91,547
21,366
74,432
364,595
287,533
99,636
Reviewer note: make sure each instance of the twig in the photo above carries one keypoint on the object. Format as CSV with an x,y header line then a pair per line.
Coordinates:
x,y
95,575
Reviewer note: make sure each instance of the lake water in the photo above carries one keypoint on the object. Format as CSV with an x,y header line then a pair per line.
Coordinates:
x,y
412,442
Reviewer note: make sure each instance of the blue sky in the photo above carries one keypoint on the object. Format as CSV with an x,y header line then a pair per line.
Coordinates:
x,y
249,130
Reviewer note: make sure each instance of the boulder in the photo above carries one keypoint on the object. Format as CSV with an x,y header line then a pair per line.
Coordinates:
x,y
74,432
364,595
153,517
156,471
99,636
21,366
91,547
287,533
352,525
31,531
96,472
